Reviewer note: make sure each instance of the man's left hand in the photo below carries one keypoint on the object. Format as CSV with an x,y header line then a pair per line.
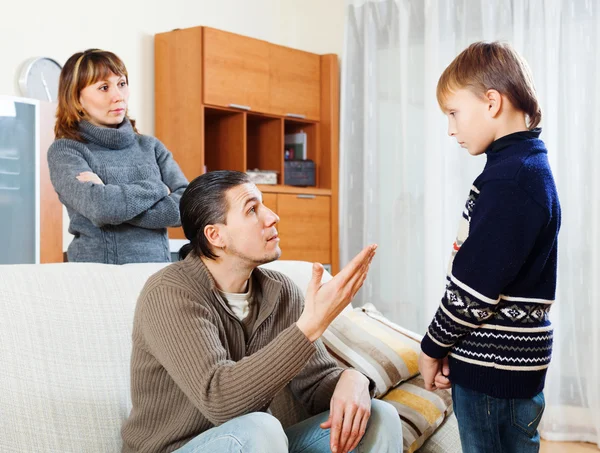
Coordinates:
x,y
350,410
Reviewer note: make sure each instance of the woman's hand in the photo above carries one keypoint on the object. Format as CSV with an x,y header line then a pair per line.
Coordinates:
x,y
88,176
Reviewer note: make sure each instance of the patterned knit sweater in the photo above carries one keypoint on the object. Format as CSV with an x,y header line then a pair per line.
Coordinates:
x,y
493,319
192,367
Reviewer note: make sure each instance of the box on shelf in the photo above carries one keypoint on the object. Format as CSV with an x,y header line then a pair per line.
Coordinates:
x,y
262,176
299,173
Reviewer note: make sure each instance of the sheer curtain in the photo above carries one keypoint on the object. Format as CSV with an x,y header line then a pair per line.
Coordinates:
x,y
404,182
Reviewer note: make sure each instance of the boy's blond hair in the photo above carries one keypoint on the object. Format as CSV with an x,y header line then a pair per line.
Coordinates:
x,y
492,66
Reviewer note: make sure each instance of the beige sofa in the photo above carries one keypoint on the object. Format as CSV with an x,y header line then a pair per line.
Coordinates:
x,y
65,341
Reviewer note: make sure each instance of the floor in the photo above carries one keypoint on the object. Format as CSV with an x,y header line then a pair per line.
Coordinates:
x,y
568,447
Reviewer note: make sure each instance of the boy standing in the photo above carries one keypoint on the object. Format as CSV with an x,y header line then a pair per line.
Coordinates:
x,y
491,335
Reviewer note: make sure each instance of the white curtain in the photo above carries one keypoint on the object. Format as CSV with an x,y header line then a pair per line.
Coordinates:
x,y
403,181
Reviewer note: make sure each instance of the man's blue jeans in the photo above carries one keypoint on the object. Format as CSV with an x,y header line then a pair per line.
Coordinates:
x,y
497,425
259,432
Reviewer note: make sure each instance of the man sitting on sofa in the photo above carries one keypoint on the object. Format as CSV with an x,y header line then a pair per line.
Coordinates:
x,y
216,338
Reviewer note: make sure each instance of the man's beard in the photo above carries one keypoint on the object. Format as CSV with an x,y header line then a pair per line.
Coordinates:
x,y
267,258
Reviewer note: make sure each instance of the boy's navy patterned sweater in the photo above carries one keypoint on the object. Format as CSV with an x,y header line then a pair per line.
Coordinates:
x,y
493,319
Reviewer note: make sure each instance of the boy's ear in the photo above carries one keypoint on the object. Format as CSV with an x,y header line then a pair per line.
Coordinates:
x,y
494,101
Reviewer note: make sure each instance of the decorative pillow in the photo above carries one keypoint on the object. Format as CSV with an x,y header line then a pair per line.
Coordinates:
x,y
366,340
386,355
421,411
372,312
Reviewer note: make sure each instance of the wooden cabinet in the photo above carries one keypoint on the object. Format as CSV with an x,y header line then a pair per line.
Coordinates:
x,y
223,102
236,71
258,76
305,227
270,201
179,122
294,83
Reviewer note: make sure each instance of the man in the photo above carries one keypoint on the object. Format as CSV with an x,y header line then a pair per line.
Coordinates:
x,y
216,338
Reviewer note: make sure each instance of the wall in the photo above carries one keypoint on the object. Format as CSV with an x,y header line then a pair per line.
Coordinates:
x,y
59,28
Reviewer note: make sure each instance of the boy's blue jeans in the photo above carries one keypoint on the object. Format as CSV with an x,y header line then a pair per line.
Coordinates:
x,y
259,432
497,425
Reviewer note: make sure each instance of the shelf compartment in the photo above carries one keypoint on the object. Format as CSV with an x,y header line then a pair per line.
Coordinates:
x,y
264,150
225,139
312,141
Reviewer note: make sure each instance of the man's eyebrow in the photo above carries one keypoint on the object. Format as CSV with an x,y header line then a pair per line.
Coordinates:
x,y
249,200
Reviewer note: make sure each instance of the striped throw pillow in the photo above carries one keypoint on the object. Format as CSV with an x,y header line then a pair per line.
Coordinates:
x,y
384,354
366,340
421,411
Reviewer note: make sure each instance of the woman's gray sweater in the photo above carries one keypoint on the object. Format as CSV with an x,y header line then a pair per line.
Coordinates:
x,y
126,219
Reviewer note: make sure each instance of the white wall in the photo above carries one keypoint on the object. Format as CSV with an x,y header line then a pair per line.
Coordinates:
x,y
59,28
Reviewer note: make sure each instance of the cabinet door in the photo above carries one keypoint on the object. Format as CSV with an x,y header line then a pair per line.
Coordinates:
x,y
236,71
295,82
305,227
270,201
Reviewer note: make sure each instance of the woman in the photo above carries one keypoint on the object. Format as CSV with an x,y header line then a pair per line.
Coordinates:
x,y
121,188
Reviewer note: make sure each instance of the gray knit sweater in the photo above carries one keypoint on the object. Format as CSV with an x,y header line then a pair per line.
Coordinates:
x,y
192,367
124,220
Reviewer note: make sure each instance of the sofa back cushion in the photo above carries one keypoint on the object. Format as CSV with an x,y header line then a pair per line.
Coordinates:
x,y
65,342
301,273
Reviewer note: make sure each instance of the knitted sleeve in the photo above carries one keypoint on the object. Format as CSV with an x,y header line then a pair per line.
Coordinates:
x,y
182,335
165,213
315,384
504,227
109,204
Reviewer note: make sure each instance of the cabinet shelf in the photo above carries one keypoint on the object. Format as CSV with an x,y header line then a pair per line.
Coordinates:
x,y
264,145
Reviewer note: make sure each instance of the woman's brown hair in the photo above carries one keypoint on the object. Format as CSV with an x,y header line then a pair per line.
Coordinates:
x,y
81,70
492,66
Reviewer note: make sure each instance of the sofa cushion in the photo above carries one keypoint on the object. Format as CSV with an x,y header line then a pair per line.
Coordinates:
x,y
384,354
421,411
65,342
445,439
301,273
366,340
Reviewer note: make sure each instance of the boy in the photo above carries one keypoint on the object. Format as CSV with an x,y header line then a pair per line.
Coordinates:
x,y
491,336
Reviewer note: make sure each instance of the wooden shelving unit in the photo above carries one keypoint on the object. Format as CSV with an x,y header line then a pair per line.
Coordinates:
x,y
225,102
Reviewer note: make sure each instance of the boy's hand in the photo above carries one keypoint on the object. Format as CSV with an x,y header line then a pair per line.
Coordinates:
x,y
441,379
350,411
434,372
